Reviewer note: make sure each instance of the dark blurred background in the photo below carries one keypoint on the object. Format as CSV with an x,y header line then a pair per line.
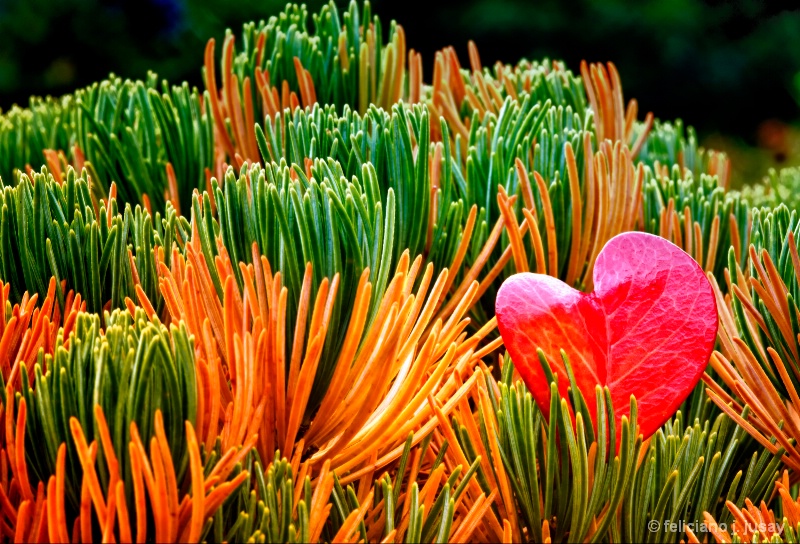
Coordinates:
x,y
729,68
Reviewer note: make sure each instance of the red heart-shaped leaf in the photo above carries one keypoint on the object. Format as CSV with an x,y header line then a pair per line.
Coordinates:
x,y
647,330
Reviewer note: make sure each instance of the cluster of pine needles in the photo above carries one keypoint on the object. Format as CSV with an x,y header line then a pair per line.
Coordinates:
x,y
262,311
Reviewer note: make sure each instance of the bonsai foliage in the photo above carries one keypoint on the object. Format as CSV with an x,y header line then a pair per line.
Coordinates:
x,y
265,310
778,187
